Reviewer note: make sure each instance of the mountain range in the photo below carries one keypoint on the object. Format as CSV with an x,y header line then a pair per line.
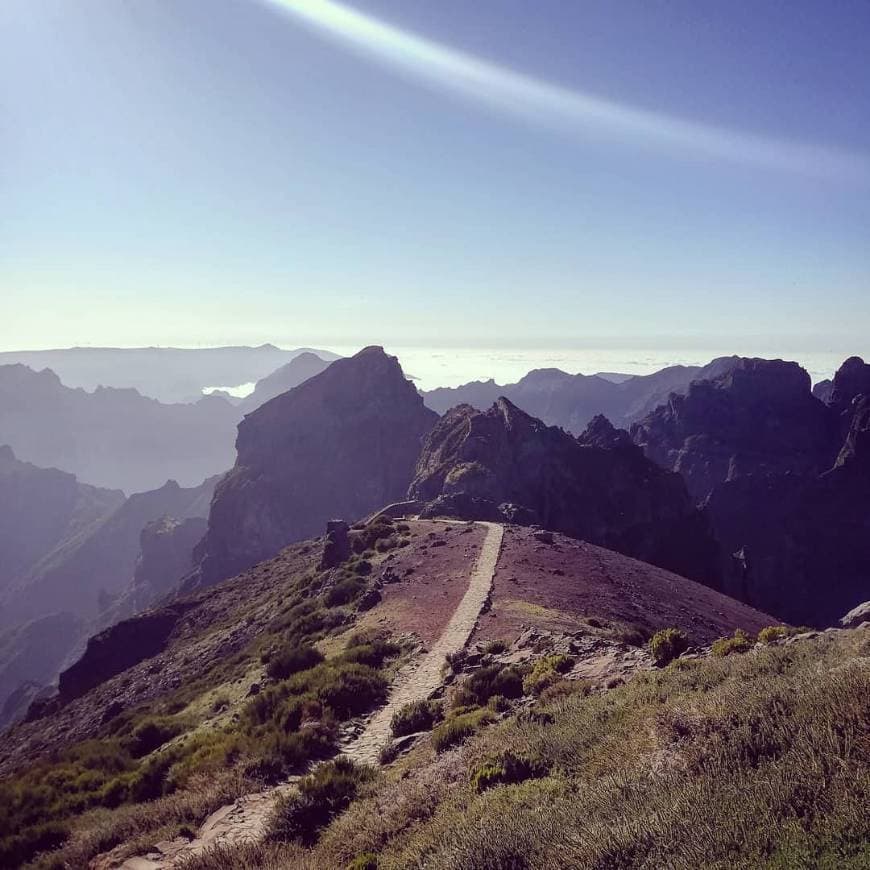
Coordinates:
x,y
186,649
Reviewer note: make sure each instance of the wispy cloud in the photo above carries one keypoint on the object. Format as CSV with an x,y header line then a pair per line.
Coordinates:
x,y
524,96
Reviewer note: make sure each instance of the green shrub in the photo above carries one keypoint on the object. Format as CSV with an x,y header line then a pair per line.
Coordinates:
x,y
373,653
150,735
545,673
776,632
668,644
299,817
416,716
505,769
347,688
292,659
458,729
741,642
364,861
488,681
344,591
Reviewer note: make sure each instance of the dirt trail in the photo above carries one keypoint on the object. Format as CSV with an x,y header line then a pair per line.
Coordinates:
x,y
246,819
421,678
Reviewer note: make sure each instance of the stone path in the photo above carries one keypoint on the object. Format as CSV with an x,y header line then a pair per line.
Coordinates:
x,y
421,678
246,819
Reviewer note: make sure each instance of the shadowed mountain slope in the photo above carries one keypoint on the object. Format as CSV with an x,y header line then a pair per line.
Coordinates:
x,y
785,481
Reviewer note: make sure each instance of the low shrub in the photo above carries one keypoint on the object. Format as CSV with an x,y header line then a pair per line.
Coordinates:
x,y
488,681
505,769
292,659
416,716
545,673
773,633
372,653
740,642
151,734
668,644
458,729
365,861
299,817
344,591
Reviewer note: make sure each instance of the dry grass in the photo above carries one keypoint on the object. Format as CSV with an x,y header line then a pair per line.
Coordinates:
x,y
138,827
751,761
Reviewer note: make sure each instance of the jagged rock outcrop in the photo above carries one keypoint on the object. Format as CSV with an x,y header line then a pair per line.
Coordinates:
x,y
166,548
760,416
851,380
857,616
598,487
823,389
343,443
117,648
785,480
336,545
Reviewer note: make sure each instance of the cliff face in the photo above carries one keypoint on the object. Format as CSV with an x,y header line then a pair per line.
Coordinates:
x,y
785,480
599,487
343,443
760,416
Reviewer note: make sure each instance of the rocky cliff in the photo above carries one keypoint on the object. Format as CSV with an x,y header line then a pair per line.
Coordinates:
x,y
342,444
784,478
760,416
598,487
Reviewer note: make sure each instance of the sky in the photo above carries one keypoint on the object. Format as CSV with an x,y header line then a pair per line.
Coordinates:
x,y
183,172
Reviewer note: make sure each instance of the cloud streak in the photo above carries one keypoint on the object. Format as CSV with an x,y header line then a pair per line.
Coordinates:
x,y
533,99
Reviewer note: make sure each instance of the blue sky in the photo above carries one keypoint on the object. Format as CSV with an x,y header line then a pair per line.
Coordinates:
x,y
189,172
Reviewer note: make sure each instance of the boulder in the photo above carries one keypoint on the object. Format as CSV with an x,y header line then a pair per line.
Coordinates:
x,y
856,616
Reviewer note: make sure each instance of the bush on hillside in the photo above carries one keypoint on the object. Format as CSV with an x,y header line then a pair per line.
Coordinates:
x,y
291,659
504,769
300,816
416,716
458,729
668,644
740,642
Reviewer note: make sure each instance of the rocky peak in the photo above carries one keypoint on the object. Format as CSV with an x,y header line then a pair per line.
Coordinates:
x,y
342,443
760,415
602,433
475,463
852,379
